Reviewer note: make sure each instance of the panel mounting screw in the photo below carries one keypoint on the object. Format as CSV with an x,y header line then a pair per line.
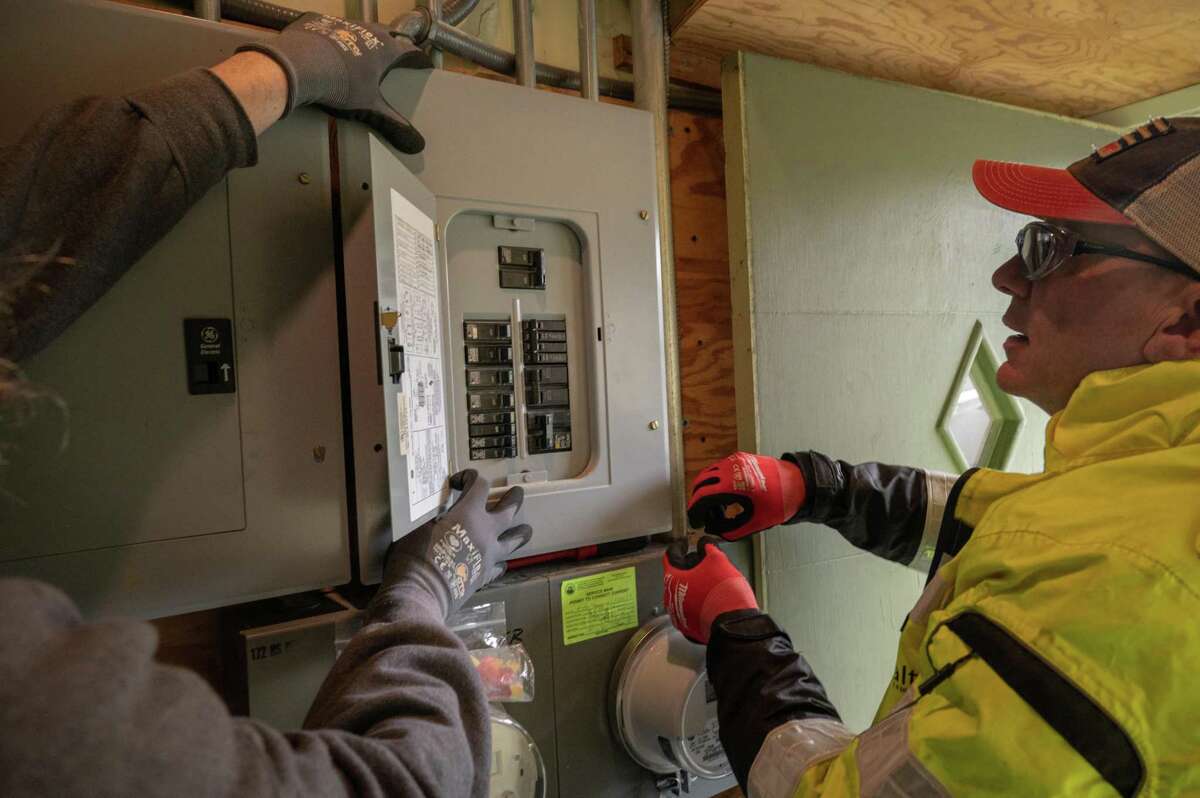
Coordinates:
x,y
305,178
653,424
644,215
319,454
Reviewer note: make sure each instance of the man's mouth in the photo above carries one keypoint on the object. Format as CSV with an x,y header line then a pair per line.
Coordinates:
x,y
1014,342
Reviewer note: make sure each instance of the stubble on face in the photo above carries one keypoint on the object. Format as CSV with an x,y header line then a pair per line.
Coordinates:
x,y
1095,313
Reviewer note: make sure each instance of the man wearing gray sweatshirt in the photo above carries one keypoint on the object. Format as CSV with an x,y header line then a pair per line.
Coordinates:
x,y
84,708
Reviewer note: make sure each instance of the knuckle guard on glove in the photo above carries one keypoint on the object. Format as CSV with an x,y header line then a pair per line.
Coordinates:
x,y
745,493
701,585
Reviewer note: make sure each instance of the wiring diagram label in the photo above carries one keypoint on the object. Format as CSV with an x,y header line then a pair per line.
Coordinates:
x,y
420,333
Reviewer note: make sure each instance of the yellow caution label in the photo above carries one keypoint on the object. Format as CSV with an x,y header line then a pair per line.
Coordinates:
x,y
600,604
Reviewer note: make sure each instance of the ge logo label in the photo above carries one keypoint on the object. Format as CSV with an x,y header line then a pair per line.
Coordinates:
x,y
570,590
209,335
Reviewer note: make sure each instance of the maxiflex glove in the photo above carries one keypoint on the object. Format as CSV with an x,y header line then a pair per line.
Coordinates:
x,y
701,585
338,65
745,493
463,549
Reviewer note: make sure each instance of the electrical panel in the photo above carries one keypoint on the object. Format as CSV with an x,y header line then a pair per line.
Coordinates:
x,y
550,312
244,422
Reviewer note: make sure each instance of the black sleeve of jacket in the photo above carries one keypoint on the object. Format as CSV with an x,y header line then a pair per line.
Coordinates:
x,y
93,184
878,508
760,683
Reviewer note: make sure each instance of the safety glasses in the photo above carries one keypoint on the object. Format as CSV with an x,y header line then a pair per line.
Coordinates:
x,y
1044,248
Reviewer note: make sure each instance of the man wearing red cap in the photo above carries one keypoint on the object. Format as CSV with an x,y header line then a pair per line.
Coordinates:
x,y
1053,649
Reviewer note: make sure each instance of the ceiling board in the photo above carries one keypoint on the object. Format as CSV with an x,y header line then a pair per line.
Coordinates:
x,y
1072,57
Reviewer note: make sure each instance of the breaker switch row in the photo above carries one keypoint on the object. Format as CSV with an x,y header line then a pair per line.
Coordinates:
x,y
547,391
490,401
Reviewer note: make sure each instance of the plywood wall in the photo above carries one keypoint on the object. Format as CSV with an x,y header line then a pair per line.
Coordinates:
x,y
702,288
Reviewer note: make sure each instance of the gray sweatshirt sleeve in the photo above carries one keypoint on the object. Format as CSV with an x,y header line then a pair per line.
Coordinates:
x,y
85,710
93,184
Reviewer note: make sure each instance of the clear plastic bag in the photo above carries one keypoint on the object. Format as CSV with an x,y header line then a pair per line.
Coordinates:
x,y
507,672
481,626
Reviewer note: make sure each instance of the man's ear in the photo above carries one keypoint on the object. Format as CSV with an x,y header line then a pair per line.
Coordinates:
x,y
1178,337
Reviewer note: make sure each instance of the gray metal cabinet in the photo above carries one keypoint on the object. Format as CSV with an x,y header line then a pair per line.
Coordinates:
x,y
163,501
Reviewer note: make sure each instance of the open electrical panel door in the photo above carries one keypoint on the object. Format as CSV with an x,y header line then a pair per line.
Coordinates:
x,y
389,241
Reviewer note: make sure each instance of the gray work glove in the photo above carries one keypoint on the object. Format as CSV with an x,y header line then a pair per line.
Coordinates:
x,y
461,550
339,65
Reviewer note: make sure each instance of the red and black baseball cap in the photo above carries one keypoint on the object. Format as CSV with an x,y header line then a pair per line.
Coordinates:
x,y
1148,179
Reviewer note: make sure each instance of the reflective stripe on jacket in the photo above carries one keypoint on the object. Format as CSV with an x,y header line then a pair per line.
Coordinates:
x,y
1055,653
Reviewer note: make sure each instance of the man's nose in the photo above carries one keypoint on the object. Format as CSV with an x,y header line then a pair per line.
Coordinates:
x,y
1010,278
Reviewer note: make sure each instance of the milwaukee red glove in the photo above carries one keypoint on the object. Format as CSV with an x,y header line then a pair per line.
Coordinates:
x,y
745,493
700,585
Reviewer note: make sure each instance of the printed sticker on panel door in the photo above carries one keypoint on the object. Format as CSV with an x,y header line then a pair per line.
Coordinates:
x,y
420,331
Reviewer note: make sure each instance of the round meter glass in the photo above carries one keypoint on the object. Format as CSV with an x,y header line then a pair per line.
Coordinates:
x,y
664,709
517,768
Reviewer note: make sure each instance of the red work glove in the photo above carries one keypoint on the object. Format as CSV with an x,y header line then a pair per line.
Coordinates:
x,y
745,493
700,585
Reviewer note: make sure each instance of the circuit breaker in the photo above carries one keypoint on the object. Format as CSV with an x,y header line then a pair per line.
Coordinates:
x,y
527,338
548,309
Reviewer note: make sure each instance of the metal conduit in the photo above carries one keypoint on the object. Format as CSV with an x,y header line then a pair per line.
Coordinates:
x,y
417,26
270,15
523,42
207,9
650,93
466,46
455,11
589,69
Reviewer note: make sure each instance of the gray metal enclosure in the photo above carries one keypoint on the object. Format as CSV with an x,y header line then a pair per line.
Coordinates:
x,y
165,500
545,171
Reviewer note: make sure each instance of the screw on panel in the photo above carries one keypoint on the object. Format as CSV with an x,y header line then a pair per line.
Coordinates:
x,y
305,178
644,214
319,454
653,424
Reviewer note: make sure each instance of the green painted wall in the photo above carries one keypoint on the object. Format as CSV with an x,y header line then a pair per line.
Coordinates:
x,y
1182,102
861,259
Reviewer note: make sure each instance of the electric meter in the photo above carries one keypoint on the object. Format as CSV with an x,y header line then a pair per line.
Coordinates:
x,y
517,767
664,709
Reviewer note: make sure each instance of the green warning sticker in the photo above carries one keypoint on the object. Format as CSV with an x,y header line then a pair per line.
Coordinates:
x,y
597,605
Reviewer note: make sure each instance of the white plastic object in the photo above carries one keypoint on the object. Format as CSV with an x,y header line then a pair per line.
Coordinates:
x,y
517,769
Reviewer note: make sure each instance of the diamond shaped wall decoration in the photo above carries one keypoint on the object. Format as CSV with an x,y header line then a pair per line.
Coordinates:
x,y
979,422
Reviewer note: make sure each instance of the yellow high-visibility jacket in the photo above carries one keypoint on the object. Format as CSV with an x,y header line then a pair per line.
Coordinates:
x,y
1057,652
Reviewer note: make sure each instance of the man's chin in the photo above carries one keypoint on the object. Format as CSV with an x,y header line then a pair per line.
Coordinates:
x,y
1010,380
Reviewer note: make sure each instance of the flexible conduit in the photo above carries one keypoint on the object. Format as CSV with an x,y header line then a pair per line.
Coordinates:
x,y
270,15
258,12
